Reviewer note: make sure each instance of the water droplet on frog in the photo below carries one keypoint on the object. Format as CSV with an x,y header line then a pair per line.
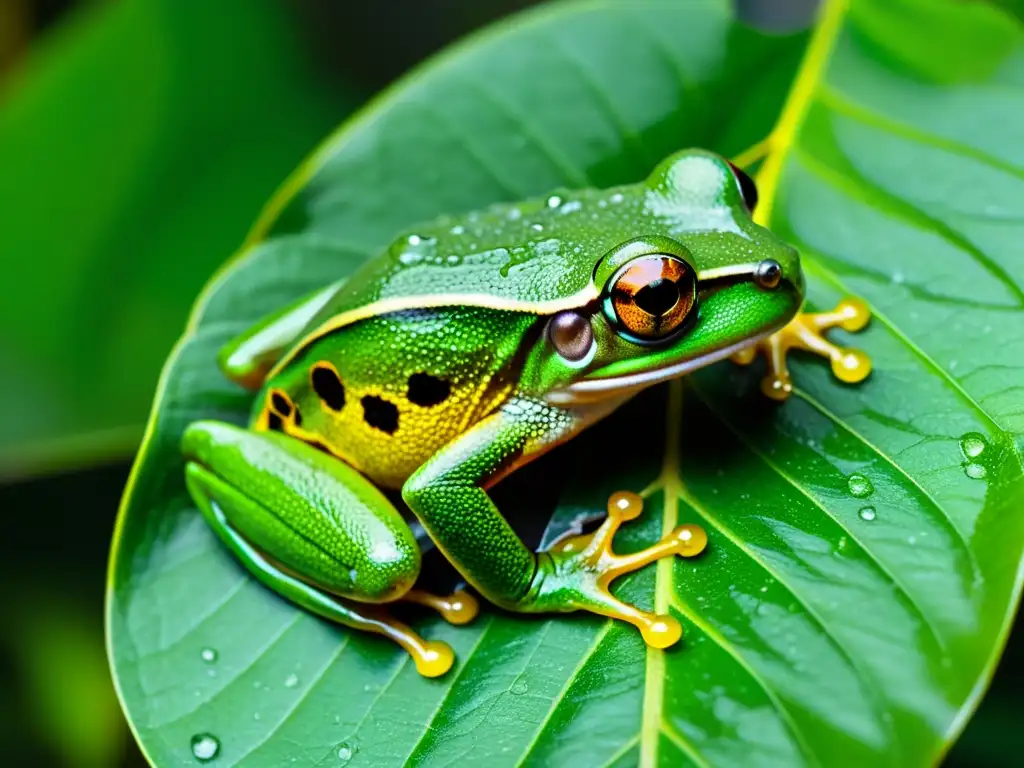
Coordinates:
x,y
458,229
453,259
554,201
860,486
410,257
514,213
345,752
209,655
616,198
414,240
975,471
205,747
867,514
571,207
537,227
519,687
291,681
972,444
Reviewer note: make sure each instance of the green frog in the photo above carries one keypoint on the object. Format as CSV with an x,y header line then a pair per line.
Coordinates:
x,y
468,348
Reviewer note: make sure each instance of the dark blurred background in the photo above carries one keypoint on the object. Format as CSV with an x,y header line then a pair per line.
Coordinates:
x,y
138,142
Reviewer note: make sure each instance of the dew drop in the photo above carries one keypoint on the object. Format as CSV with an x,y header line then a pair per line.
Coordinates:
x,y
860,486
554,201
514,213
972,444
414,240
537,227
616,198
458,229
345,752
571,207
519,687
209,655
205,747
843,541
410,257
867,513
975,471
291,681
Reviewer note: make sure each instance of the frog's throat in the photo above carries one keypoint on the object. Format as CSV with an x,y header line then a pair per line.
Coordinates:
x,y
592,390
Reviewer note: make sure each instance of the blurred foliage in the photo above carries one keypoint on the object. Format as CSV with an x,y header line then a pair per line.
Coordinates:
x,y
138,142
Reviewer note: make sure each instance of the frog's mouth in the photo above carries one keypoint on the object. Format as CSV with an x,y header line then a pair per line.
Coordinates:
x,y
711,338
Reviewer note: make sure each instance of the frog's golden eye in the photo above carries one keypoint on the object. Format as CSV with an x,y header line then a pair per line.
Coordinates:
x,y
652,296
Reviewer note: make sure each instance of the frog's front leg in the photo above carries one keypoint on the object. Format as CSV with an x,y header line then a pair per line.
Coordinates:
x,y
806,332
313,529
449,496
247,358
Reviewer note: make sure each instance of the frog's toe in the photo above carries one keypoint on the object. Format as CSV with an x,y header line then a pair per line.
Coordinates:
x,y
458,608
585,567
806,331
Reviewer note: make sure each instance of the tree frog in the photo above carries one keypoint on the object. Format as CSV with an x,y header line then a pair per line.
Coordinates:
x,y
468,348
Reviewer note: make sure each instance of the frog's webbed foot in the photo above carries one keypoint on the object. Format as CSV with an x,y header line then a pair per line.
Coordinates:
x,y
585,566
806,331
458,608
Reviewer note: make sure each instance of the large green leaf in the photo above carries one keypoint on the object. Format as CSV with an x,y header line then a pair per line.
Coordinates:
x,y
865,542
137,146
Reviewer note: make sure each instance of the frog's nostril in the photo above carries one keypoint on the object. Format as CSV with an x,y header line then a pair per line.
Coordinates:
x,y
768,274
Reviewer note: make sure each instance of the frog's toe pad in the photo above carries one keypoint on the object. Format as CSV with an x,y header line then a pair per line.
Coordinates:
x,y
434,659
806,331
588,566
458,608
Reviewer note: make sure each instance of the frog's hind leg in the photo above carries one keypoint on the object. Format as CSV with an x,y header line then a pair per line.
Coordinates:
x,y
806,331
432,658
248,358
309,527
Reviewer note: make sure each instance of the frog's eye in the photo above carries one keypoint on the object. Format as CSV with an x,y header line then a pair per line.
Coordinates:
x,y
652,296
748,189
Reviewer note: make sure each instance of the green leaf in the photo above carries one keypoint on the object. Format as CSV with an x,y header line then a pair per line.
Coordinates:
x,y
137,146
817,632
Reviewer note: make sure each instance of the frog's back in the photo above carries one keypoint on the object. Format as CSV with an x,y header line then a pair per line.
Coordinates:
x,y
386,393
535,256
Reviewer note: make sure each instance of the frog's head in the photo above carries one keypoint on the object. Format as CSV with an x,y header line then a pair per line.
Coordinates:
x,y
699,282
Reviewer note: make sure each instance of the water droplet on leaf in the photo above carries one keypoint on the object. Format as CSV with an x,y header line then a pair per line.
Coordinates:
x,y
972,444
868,514
205,747
975,471
860,486
345,752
